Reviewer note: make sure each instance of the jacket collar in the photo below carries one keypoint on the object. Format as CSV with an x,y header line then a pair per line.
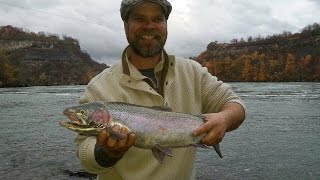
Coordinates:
x,y
165,68
131,70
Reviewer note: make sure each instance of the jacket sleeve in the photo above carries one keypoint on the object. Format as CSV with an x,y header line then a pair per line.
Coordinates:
x,y
215,93
85,145
85,153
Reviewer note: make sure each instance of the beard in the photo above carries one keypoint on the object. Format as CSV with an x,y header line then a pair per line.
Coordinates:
x,y
150,49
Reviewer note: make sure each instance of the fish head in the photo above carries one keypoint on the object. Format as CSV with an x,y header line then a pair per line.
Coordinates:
x,y
87,119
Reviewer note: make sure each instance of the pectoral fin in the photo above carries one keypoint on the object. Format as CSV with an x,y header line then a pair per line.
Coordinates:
x,y
160,153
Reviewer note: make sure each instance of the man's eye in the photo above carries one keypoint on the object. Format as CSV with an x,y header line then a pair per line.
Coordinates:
x,y
138,19
160,19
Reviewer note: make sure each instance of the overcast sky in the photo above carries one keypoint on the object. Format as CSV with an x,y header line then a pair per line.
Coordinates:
x,y
191,26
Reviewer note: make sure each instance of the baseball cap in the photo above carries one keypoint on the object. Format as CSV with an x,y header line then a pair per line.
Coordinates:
x,y
128,5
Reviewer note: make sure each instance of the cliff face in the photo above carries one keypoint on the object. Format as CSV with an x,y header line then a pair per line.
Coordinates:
x,y
297,44
282,57
13,45
29,59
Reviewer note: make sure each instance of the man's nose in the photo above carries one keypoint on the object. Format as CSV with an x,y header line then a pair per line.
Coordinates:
x,y
149,25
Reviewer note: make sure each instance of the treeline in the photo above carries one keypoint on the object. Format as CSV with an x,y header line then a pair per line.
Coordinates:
x,y
37,60
309,30
282,57
17,34
16,71
257,67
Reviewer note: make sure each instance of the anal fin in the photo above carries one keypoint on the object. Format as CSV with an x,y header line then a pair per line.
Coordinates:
x,y
160,153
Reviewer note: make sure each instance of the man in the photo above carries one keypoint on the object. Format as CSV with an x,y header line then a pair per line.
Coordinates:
x,y
148,76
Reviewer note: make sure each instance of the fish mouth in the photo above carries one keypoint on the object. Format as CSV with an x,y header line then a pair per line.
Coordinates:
x,y
72,116
72,124
85,129
79,124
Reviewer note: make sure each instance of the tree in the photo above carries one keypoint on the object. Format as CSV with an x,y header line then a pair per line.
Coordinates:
x,y
89,75
236,68
247,70
316,76
274,69
8,74
306,62
242,40
286,33
306,68
290,68
262,71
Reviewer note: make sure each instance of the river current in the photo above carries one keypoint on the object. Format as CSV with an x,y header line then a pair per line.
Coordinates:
x,y
280,138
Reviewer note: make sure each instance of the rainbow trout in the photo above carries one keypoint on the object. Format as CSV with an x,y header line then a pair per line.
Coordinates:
x,y
156,128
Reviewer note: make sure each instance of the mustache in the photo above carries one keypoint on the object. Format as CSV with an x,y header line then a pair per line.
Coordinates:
x,y
157,35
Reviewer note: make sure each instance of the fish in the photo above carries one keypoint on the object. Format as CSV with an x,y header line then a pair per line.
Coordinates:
x,y
157,128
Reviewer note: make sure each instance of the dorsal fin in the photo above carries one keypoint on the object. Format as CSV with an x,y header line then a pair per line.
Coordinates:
x,y
161,108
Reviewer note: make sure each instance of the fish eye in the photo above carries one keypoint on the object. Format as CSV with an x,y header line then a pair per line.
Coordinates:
x,y
83,112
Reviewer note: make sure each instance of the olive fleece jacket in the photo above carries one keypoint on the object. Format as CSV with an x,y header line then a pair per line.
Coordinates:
x,y
185,86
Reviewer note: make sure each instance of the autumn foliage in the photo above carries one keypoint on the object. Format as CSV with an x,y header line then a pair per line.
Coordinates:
x,y
277,58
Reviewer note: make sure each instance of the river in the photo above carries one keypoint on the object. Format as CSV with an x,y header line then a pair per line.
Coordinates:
x,y
280,138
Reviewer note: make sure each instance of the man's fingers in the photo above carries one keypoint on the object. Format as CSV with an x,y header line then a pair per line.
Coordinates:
x,y
130,140
204,117
210,139
116,146
112,142
102,138
202,129
122,142
205,127
214,136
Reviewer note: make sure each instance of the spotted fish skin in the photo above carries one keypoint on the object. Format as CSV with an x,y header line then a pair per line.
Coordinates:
x,y
156,128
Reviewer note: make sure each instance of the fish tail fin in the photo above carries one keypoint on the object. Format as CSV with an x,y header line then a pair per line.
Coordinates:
x,y
217,149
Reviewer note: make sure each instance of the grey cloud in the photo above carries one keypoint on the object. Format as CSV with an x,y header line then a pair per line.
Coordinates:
x,y
317,2
191,26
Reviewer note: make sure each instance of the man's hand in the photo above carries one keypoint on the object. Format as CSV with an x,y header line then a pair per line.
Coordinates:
x,y
217,124
116,148
215,127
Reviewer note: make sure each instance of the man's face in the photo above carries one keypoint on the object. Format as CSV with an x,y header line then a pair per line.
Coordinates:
x,y
146,29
